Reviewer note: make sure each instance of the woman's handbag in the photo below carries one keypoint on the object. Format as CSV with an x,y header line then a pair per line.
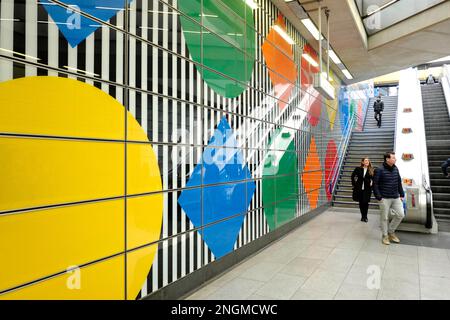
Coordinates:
x,y
355,194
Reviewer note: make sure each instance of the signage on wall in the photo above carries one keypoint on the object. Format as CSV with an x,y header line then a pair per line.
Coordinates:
x,y
407,181
406,110
407,156
406,130
412,195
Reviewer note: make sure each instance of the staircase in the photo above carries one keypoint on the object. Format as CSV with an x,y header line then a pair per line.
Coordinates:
x,y
437,130
372,142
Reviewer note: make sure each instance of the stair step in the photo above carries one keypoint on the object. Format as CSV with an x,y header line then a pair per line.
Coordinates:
x,y
438,157
441,204
433,98
444,133
370,139
437,123
445,146
369,150
371,145
443,112
371,142
441,211
440,151
438,143
378,131
435,163
344,189
441,182
442,129
436,176
382,126
439,189
434,169
436,119
349,198
437,137
344,204
442,218
356,162
346,193
445,153
367,153
383,121
350,168
434,106
441,197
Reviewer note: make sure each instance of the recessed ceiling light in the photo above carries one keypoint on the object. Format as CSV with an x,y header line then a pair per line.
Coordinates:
x,y
347,74
334,57
311,28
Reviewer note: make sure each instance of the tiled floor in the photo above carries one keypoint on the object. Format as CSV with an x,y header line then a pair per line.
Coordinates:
x,y
336,256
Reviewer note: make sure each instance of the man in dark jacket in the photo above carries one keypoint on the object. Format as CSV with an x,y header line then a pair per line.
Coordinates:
x,y
388,190
444,167
378,107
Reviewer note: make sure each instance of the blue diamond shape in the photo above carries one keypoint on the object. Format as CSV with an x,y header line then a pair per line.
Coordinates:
x,y
217,166
76,27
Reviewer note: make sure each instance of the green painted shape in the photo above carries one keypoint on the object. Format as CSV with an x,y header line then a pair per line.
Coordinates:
x,y
352,108
280,180
353,111
234,57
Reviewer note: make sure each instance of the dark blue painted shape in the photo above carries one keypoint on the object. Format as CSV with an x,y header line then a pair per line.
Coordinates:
x,y
231,199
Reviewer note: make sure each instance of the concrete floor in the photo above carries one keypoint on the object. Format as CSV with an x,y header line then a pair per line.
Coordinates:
x,y
336,256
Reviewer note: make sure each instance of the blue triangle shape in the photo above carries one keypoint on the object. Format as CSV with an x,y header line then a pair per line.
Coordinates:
x,y
74,26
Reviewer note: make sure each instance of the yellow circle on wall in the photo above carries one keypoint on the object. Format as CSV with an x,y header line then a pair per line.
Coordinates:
x,y
80,191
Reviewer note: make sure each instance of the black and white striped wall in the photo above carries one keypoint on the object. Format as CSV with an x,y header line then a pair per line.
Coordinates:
x,y
145,64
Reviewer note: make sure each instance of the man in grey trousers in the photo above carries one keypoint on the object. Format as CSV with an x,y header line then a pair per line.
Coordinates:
x,y
388,190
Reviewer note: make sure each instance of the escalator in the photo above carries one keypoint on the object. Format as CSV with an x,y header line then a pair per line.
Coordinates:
x,y
437,130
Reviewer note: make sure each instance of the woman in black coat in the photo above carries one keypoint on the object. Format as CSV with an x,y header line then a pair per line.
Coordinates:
x,y
362,180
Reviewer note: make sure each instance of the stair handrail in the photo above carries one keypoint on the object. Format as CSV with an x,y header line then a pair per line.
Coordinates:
x,y
445,83
425,173
365,112
423,155
395,124
341,153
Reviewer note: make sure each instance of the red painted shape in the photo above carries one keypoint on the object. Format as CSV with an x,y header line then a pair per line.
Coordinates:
x,y
313,102
330,165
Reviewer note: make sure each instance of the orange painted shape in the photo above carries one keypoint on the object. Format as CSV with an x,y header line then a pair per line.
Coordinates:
x,y
312,175
360,115
280,60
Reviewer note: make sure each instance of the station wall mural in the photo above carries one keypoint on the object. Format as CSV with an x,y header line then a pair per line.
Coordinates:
x,y
142,140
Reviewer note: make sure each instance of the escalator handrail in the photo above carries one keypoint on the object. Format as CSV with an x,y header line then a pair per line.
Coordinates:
x,y
429,196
